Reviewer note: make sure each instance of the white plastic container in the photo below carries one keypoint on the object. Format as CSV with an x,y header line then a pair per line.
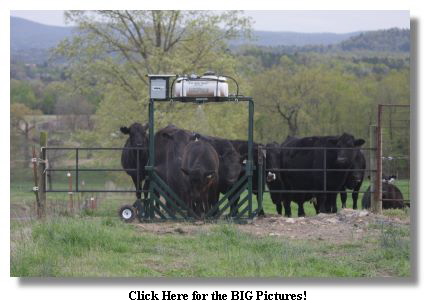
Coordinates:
x,y
209,85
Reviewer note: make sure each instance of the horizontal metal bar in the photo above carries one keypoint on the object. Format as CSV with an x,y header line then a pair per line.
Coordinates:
x,y
204,99
308,191
318,148
91,169
395,105
94,148
318,169
94,191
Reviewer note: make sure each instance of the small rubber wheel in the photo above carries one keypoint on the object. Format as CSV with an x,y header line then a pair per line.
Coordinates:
x,y
127,213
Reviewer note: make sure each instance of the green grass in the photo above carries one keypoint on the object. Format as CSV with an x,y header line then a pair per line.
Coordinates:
x,y
71,247
95,243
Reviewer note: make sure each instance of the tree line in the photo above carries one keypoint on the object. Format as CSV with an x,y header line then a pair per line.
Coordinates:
x,y
296,92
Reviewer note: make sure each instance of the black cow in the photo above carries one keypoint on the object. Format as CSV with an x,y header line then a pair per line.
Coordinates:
x,y
136,158
309,153
170,143
354,180
391,197
230,166
200,163
241,147
229,158
274,180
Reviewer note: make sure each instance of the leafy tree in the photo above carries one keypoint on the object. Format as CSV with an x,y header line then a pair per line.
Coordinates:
x,y
22,92
22,125
122,47
113,52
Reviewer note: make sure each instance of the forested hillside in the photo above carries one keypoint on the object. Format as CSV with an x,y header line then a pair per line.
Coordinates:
x,y
298,90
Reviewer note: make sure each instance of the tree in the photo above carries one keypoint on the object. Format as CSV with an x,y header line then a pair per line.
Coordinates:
x,y
122,47
23,93
284,91
115,50
22,125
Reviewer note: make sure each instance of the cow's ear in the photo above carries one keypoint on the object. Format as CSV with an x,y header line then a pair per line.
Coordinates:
x,y
185,171
145,126
125,130
359,142
195,137
209,174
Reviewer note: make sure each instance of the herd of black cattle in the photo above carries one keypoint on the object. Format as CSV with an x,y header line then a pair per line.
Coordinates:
x,y
198,168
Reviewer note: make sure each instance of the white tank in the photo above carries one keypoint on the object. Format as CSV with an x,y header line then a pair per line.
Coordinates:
x,y
208,85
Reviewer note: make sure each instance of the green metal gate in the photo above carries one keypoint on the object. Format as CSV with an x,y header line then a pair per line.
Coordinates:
x,y
153,209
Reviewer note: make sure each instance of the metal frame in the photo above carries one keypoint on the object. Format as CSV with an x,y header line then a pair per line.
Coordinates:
x,y
325,170
380,156
77,170
151,205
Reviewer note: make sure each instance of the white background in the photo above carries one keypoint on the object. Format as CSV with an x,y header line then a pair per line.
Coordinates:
x,y
420,289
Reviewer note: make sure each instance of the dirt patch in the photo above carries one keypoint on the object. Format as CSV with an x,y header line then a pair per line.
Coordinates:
x,y
179,228
347,225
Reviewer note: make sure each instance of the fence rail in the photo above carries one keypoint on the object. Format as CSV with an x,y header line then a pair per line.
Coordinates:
x,y
76,170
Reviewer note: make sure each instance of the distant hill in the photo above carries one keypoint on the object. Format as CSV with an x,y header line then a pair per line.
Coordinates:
x,y
390,40
30,41
27,34
264,38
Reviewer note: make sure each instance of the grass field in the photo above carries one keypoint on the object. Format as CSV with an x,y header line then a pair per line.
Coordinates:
x,y
97,244
105,247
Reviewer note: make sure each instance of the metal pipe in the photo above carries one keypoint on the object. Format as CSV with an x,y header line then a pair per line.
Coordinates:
x,y
77,169
70,192
325,169
250,156
378,203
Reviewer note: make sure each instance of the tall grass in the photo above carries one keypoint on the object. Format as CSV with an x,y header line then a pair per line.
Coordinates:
x,y
106,247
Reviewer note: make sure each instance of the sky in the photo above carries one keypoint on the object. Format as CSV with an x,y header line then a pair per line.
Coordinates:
x,y
284,20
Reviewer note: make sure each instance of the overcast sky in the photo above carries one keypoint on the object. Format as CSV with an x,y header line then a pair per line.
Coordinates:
x,y
285,20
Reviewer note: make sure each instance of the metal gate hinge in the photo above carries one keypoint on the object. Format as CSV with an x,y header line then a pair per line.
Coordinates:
x,y
39,161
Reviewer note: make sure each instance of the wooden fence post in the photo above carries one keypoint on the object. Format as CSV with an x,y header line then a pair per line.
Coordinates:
x,y
376,203
42,176
35,176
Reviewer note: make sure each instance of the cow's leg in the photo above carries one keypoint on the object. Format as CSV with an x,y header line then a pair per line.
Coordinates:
x,y
233,210
279,207
328,204
145,187
355,196
315,204
344,198
321,203
301,212
137,186
212,200
287,206
331,203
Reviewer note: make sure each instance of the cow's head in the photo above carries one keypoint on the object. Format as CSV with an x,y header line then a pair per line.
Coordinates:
x,y
272,161
200,181
137,134
347,148
389,179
